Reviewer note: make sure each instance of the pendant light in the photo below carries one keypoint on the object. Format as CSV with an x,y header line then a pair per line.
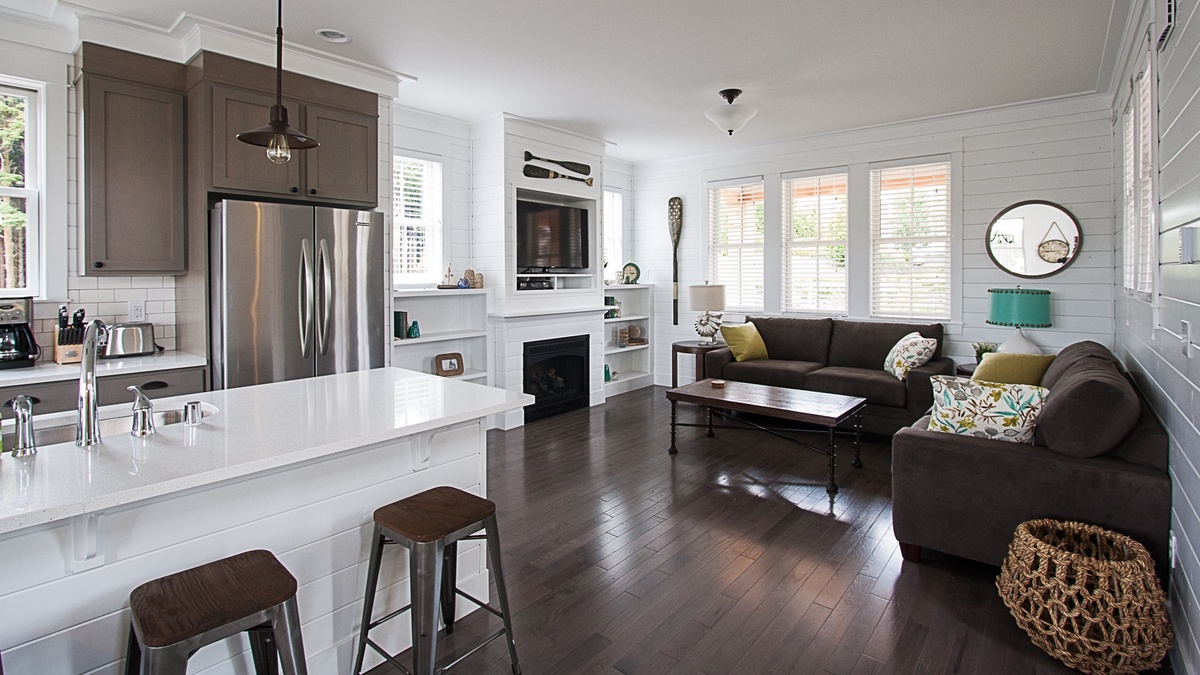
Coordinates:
x,y
731,117
277,136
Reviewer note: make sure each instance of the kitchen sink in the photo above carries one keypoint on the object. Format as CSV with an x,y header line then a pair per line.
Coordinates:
x,y
111,427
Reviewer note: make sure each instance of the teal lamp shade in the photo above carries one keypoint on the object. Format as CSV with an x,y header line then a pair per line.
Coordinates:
x,y
1019,307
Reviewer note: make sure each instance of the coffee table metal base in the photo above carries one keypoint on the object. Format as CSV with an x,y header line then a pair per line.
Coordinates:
x,y
745,424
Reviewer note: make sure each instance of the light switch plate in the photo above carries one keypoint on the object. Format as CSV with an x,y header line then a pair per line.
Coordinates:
x,y
1185,334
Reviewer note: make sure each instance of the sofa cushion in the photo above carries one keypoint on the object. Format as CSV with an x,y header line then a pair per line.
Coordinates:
x,y
1090,410
1012,368
865,344
873,384
1003,412
1072,354
744,341
772,372
794,338
911,351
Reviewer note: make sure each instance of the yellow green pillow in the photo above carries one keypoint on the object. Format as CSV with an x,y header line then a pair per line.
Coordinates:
x,y
1012,368
744,341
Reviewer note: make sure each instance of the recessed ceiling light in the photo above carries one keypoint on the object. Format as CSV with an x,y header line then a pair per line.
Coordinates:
x,y
332,35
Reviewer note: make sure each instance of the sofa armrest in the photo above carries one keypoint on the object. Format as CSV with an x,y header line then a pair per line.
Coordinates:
x,y
919,394
715,362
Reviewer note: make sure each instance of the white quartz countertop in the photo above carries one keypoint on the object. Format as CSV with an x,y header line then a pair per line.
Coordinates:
x,y
256,429
49,371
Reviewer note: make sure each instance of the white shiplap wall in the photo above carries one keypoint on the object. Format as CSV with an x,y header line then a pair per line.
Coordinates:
x,y
449,141
1058,150
1150,345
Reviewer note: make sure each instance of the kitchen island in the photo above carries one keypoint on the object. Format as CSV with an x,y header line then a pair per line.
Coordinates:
x,y
293,467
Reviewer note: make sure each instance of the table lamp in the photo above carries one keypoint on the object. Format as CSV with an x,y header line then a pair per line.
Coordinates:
x,y
1020,308
709,299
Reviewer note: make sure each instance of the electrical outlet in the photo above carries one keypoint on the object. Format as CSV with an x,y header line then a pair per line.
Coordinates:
x,y
1185,335
137,310
1172,549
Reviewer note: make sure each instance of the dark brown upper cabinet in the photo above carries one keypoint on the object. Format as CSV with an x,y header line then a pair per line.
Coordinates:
x,y
133,171
237,95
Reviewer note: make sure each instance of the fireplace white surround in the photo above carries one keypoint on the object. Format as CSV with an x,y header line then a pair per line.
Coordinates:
x,y
512,331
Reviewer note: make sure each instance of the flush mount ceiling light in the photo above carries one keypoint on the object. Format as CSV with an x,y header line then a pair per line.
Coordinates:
x,y
731,117
277,136
332,35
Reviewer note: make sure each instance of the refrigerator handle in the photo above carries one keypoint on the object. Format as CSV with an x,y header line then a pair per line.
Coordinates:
x,y
324,269
305,295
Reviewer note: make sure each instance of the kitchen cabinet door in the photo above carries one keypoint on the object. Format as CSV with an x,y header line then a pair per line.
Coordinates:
x,y
344,168
241,166
134,172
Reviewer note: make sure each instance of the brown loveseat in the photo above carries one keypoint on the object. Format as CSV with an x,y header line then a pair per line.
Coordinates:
x,y
965,495
840,356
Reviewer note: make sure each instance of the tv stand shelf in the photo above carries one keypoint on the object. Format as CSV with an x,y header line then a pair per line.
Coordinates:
x,y
555,282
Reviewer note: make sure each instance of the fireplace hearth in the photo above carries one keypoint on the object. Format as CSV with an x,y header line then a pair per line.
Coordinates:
x,y
556,375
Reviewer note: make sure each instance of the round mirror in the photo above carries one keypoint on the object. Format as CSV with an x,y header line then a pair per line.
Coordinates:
x,y
1034,239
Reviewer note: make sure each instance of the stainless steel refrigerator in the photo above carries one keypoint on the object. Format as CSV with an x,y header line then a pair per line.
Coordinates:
x,y
295,292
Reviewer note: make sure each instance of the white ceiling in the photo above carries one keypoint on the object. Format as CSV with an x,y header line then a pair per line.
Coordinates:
x,y
641,74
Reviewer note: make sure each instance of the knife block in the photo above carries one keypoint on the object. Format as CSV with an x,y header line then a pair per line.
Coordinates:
x,y
68,353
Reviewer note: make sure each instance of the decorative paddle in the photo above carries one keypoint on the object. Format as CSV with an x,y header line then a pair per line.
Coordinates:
x,y
577,167
675,223
538,172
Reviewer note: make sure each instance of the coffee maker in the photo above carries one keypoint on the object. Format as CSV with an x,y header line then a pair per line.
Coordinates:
x,y
18,348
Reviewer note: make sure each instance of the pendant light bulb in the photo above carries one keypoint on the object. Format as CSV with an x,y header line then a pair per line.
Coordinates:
x,y
279,151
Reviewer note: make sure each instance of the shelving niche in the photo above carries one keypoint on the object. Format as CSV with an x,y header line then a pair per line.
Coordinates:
x,y
634,364
451,320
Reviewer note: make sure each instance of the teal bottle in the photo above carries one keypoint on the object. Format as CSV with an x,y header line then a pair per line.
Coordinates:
x,y
414,330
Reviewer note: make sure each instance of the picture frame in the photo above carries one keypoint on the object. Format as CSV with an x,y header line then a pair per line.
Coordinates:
x,y
448,364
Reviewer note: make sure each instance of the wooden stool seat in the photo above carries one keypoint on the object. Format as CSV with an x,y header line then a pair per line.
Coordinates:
x,y
434,514
188,603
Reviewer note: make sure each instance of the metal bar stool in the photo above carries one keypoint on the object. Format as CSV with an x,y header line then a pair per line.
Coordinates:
x,y
430,525
175,615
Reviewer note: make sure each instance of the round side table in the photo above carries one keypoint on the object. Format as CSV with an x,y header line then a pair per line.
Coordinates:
x,y
690,347
965,369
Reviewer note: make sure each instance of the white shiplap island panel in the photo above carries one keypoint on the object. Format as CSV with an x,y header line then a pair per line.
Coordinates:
x,y
296,468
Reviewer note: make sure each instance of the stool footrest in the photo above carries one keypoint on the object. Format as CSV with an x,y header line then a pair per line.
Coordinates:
x,y
388,657
483,605
474,649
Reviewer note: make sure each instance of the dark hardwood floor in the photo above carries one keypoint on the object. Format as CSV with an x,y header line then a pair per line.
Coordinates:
x,y
726,558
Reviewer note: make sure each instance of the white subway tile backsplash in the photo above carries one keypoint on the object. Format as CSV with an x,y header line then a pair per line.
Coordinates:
x,y
102,295
153,294
129,294
115,282
154,307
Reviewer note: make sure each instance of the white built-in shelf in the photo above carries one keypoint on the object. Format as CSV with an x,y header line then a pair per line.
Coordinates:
x,y
628,381
432,292
438,337
613,349
469,375
545,312
631,317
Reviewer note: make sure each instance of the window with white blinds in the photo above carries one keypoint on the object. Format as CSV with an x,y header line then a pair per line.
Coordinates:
x,y
814,244
416,220
910,241
736,229
1141,213
612,226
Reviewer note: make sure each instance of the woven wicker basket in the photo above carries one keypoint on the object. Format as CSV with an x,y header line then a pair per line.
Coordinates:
x,y
1087,596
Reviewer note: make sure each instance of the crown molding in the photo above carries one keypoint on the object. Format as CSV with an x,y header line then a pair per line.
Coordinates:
x,y
69,25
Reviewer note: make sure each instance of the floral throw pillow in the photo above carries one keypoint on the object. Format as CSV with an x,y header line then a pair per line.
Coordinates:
x,y
1004,412
911,351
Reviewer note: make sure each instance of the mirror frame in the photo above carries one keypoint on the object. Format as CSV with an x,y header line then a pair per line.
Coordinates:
x,y
987,238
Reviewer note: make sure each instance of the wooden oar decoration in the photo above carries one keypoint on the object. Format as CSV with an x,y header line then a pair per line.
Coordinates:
x,y
577,167
540,172
675,224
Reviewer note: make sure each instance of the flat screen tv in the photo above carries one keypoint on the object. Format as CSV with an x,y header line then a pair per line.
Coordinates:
x,y
551,237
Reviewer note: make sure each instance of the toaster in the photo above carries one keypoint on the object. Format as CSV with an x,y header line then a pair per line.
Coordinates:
x,y
129,339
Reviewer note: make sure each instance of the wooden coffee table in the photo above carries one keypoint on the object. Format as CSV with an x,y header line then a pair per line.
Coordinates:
x,y
794,405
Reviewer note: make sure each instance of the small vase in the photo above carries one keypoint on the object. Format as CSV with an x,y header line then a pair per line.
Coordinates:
x,y
414,330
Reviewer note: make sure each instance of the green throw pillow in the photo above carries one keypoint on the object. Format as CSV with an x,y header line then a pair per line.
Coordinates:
x,y
1002,412
1012,368
744,341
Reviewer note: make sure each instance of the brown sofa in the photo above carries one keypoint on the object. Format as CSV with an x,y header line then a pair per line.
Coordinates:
x,y
965,496
839,356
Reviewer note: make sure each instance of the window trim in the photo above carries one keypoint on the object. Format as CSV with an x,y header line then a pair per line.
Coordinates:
x,y
615,265
33,193
1141,266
